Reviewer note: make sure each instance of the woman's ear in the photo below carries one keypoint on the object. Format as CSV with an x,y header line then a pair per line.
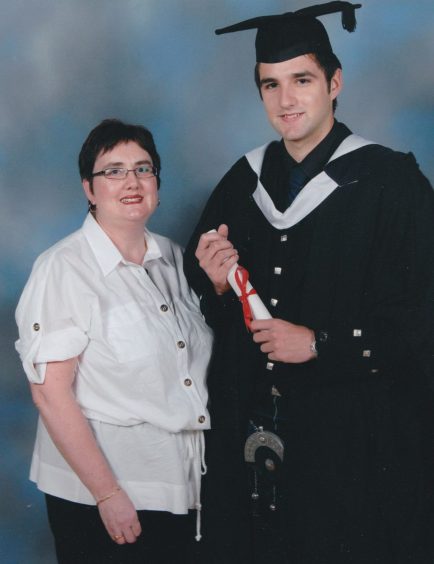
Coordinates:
x,y
88,190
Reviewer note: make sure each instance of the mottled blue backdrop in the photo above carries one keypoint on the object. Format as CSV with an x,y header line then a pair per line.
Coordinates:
x,y
65,65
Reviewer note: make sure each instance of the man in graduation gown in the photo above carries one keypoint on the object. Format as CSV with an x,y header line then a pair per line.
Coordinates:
x,y
337,234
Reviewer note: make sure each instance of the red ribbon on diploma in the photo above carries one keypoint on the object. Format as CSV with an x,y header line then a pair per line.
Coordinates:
x,y
241,278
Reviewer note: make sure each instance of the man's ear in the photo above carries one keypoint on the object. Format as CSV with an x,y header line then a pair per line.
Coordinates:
x,y
336,84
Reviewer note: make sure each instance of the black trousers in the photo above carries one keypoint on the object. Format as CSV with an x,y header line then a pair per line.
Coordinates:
x,y
81,538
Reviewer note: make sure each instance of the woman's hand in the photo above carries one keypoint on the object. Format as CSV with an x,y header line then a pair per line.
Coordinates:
x,y
120,518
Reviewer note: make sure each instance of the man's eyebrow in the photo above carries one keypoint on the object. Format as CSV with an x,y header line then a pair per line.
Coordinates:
x,y
267,81
303,74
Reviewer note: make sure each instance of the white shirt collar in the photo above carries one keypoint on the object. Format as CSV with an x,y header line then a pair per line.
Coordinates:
x,y
107,254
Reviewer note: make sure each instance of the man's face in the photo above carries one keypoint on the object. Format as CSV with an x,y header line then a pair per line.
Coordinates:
x,y
298,101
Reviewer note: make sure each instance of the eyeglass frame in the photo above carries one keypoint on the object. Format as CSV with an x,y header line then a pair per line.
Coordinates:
x,y
153,168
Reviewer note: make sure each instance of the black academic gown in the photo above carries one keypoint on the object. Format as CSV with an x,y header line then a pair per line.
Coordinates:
x,y
359,270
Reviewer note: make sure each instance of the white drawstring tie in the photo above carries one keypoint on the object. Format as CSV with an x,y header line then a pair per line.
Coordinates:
x,y
197,454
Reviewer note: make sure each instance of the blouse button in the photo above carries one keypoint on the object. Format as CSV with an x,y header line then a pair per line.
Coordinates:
x,y
201,419
278,270
187,382
274,302
164,307
36,326
180,345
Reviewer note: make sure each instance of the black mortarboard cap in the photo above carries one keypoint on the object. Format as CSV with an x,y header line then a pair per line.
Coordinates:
x,y
285,36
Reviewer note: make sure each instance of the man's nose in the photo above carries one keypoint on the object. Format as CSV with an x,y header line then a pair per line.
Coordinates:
x,y
287,96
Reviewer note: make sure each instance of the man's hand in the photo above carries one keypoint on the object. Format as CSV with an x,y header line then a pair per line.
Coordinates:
x,y
216,256
284,341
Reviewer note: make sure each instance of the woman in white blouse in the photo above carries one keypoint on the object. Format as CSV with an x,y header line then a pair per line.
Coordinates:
x,y
116,351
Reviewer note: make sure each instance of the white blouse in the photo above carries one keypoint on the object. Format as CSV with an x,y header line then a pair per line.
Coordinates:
x,y
143,349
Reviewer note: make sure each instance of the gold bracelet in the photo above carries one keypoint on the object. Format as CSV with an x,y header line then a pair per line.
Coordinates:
x,y
108,496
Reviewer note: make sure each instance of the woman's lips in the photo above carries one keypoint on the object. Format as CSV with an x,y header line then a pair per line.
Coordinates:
x,y
132,199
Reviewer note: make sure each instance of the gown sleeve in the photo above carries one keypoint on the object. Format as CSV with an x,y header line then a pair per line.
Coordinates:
x,y
398,328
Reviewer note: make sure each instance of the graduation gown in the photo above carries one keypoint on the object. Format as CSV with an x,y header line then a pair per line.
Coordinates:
x,y
358,471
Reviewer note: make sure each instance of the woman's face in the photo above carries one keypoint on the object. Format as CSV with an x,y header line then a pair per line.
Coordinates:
x,y
122,201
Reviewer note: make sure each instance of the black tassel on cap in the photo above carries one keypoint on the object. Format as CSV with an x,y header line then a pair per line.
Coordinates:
x,y
348,12
349,17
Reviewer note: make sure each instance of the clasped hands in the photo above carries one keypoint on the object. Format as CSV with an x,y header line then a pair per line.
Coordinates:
x,y
281,340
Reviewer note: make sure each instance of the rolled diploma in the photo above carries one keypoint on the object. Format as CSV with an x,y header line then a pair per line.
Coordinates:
x,y
258,309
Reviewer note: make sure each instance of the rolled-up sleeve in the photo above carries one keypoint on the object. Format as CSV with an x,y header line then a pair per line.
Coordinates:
x,y
52,317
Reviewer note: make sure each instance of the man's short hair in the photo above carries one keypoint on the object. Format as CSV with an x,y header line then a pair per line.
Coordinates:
x,y
328,62
109,133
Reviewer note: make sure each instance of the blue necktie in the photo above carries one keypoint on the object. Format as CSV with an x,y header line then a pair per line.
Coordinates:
x,y
297,180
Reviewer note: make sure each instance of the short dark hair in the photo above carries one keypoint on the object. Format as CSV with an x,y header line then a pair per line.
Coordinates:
x,y
109,133
328,62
